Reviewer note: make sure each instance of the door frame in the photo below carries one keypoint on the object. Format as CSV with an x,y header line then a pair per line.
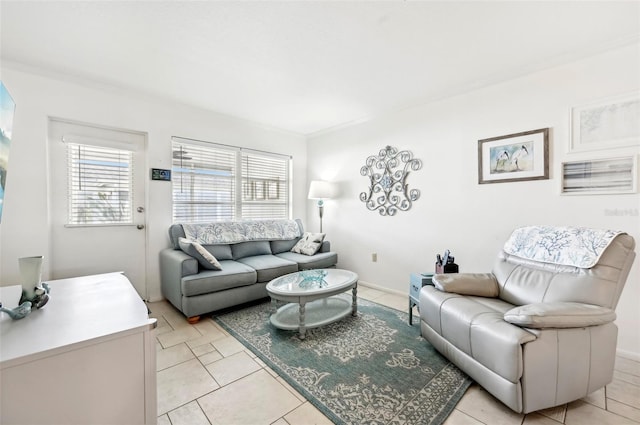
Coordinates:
x,y
145,184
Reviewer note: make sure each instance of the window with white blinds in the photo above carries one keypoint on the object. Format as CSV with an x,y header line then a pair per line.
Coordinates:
x,y
214,182
265,186
100,185
203,183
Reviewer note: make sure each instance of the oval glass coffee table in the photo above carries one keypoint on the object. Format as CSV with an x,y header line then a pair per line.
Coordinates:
x,y
313,297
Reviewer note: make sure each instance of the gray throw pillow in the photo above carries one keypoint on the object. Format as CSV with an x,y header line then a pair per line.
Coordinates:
x,y
197,251
309,244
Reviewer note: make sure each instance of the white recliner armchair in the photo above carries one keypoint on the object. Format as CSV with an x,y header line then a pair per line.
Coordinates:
x,y
538,331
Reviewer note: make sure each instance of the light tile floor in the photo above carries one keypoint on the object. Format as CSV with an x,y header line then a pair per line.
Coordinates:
x,y
205,376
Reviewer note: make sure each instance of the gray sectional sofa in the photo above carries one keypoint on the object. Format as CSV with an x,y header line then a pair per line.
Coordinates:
x,y
247,255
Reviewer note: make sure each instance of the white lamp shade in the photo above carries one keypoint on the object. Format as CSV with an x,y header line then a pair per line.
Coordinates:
x,y
319,189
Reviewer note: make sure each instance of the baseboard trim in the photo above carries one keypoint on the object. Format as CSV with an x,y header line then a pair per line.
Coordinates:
x,y
628,355
382,288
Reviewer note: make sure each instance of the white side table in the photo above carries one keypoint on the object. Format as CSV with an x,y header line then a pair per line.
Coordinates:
x,y
416,282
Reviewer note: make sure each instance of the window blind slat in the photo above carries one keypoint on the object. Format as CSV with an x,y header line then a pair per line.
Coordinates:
x,y
100,185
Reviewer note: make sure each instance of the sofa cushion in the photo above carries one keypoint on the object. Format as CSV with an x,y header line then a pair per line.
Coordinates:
x,y
232,275
283,246
321,260
309,244
221,252
197,251
269,267
250,249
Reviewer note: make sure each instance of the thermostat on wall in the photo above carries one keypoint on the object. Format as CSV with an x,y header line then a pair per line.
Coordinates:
x,y
160,174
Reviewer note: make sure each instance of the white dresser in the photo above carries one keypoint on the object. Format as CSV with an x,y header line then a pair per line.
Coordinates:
x,y
87,357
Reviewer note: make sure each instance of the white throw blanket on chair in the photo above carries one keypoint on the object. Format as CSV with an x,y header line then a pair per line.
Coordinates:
x,y
570,246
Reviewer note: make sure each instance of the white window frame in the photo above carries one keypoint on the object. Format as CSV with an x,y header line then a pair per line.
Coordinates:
x,y
239,198
75,176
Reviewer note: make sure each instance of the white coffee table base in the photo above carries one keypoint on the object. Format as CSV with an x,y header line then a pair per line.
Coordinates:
x,y
316,313
316,297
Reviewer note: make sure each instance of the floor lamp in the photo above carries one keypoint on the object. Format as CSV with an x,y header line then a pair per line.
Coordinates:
x,y
321,190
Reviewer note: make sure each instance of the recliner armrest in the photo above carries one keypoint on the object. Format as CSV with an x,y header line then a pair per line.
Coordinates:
x,y
479,284
559,315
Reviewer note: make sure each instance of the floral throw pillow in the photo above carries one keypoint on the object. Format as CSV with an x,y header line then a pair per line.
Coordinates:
x,y
309,244
200,253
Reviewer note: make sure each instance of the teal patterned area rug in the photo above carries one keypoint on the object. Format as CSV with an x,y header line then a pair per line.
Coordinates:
x,y
370,369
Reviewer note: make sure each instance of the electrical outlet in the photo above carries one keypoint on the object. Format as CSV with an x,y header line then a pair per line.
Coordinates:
x,y
374,257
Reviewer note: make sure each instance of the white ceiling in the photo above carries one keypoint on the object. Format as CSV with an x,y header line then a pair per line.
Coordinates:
x,y
307,66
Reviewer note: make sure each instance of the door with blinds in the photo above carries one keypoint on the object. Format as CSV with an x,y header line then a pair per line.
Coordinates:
x,y
96,187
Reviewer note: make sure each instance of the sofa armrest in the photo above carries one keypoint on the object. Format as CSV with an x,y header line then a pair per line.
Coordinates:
x,y
559,315
325,247
174,265
479,284
177,263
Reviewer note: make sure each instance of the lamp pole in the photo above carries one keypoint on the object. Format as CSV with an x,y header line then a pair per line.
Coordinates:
x,y
321,190
321,211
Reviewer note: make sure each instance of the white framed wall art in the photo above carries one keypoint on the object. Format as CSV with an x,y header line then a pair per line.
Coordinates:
x,y
609,123
602,176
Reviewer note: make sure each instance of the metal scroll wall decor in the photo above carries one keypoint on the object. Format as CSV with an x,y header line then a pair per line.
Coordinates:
x,y
388,190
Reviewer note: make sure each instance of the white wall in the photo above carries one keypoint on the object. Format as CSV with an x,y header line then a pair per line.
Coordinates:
x,y
454,211
25,227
